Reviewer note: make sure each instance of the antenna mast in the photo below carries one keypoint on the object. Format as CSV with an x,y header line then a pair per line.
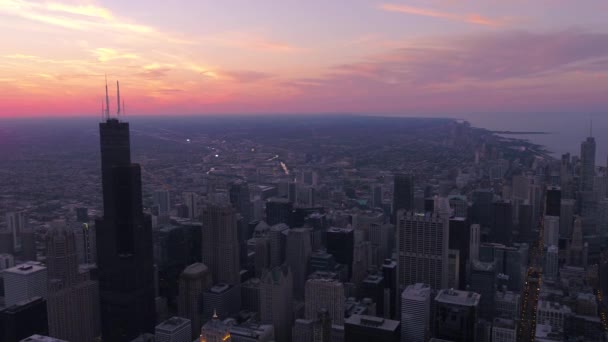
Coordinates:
x,y
107,113
118,98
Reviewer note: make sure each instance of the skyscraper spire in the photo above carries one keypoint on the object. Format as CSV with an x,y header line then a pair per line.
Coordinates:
x,y
107,100
117,98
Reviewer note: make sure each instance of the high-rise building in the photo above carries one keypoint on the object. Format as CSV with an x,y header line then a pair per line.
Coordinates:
x,y
215,331
483,281
28,244
220,247
502,222
322,327
277,236
504,330
578,249
551,231
553,201
566,219
86,246
422,249
124,241
191,200
175,329
389,273
481,210
415,313
324,294
276,301
460,240
23,282
23,319
193,281
551,262
455,315
587,164
16,222
298,249
377,196
162,200
42,338
302,330
73,301
222,299
362,328
381,237
279,210
341,244
403,192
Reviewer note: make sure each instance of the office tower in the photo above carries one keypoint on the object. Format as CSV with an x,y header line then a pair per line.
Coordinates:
x,y
455,315
526,222
240,198
389,273
220,247
551,231
362,328
483,281
551,262
403,192
587,164
277,236
553,201
73,302
381,236
124,241
341,244
324,294
302,330
279,210
162,200
175,329
191,200
223,299
460,240
250,295
454,268
415,312
504,330
422,247
86,246
41,338
260,247
362,254
566,219
578,250
481,210
193,281
6,241
6,261
23,282
16,222
502,223
28,244
372,287
215,331
321,330
507,304
82,215
475,234
276,301
298,249
23,319
377,196
459,205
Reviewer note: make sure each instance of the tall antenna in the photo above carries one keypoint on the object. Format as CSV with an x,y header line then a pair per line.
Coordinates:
x,y
103,111
107,100
117,98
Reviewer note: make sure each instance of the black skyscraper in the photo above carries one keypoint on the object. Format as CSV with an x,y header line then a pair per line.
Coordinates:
x,y
279,210
23,320
124,241
554,201
403,192
502,225
341,244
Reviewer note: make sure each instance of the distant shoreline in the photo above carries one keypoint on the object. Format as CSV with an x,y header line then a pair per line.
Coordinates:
x,y
518,133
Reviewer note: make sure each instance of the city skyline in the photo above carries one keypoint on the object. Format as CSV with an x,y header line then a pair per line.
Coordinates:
x,y
423,58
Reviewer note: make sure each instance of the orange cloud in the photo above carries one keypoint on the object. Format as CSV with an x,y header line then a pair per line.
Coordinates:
x,y
472,18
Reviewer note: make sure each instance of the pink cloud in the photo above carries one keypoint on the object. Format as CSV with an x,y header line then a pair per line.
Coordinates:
x,y
472,18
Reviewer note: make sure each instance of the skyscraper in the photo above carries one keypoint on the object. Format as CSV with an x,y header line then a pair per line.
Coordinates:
x,y
220,247
456,314
415,313
502,222
341,244
403,192
175,329
362,328
193,281
298,249
73,301
16,222
24,319
553,201
124,241
324,294
276,300
279,210
23,282
587,164
551,263
422,247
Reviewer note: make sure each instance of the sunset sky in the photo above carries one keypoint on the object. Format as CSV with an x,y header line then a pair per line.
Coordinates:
x,y
414,57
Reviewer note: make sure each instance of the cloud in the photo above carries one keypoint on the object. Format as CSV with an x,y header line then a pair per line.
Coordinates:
x,y
516,63
249,41
472,18
108,54
246,76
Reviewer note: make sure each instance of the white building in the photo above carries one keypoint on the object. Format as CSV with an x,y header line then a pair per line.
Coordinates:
x,y
551,262
175,329
324,293
23,282
552,313
504,330
415,312
551,231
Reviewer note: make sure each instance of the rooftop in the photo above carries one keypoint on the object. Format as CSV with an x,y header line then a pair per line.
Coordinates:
x,y
372,321
172,324
464,298
25,269
40,338
417,291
